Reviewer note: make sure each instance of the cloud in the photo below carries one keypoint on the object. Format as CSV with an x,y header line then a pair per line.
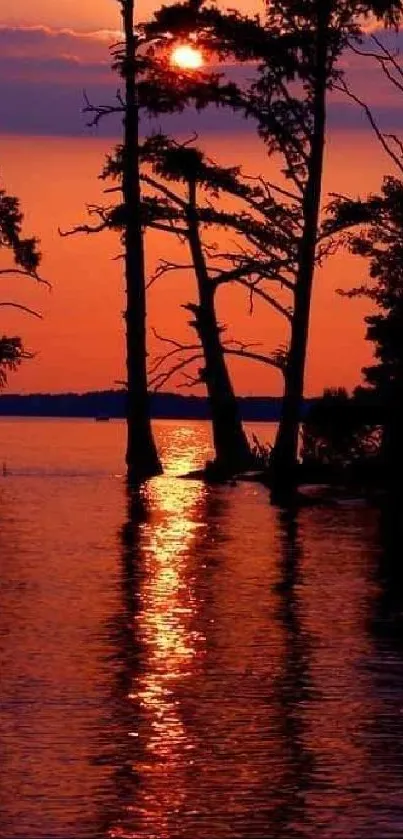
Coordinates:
x,y
33,40
44,71
36,47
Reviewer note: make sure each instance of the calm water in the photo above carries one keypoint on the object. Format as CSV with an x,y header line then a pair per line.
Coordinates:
x,y
190,663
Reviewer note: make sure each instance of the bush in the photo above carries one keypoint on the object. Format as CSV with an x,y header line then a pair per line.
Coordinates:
x,y
339,432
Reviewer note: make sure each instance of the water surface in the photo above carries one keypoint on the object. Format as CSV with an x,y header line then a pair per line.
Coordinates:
x,y
189,663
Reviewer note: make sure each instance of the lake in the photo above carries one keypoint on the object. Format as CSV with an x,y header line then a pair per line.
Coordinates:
x,y
188,662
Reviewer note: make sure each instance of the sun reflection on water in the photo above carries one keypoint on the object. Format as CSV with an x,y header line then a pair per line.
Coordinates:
x,y
185,662
164,627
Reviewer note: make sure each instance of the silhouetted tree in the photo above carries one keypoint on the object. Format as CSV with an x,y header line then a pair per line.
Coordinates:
x,y
141,456
381,242
183,213
25,260
297,50
340,437
153,86
230,442
12,353
326,28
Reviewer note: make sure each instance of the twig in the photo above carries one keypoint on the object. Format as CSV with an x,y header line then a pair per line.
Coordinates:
x,y
30,274
343,87
22,308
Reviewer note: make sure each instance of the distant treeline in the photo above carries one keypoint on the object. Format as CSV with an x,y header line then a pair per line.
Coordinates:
x,y
111,403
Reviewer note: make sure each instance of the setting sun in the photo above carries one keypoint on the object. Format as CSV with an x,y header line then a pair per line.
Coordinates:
x,y
187,57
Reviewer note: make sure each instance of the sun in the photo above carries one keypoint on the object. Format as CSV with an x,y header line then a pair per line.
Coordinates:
x,y
187,57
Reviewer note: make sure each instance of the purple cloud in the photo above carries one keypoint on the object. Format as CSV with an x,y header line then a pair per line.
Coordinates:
x,y
43,73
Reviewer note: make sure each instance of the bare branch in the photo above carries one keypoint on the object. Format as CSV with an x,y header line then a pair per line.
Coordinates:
x,y
177,349
254,289
83,228
32,275
101,111
181,232
271,361
385,59
344,88
269,185
161,379
147,179
166,267
172,342
252,267
190,381
22,308
395,139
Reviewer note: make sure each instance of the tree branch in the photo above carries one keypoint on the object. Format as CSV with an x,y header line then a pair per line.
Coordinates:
x,y
101,111
254,289
22,308
147,179
343,87
32,275
166,267
161,379
271,361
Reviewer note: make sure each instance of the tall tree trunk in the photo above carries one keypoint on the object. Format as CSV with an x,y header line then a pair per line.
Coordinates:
x,y
230,442
141,456
285,455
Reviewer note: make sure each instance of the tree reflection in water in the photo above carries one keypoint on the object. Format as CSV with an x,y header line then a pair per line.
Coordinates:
x,y
212,739
295,688
385,738
187,662
247,701
160,642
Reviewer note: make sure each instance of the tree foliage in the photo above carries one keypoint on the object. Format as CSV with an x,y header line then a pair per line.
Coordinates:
x,y
12,353
24,261
381,242
297,50
339,432
24,251
284,48
262,254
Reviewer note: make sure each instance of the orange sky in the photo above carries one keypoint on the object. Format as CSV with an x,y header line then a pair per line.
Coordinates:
x,y
91,14
80,341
